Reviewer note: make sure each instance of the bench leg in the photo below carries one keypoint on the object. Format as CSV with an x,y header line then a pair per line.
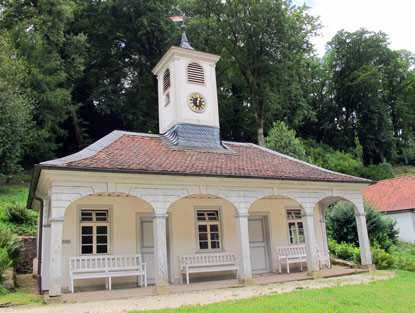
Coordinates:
x,y
301,266
288,267
187,277
279,267
145,280
110,282
71,284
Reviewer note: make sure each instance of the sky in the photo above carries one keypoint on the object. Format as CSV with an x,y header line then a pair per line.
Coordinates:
x,y
395,18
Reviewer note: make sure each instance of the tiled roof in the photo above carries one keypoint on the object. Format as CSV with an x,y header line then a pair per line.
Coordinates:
x,y
150,153
392,194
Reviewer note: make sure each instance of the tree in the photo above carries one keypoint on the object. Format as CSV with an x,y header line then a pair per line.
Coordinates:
x,y
15,109
283,140
55,60
341,225
264,44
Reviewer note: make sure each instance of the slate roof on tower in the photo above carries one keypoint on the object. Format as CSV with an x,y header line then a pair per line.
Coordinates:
x,y
146,153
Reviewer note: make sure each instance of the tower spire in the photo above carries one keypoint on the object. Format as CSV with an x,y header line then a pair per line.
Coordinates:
x,y
185,43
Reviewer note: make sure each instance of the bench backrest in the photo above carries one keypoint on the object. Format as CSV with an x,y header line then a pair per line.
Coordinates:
x,y
207,259
291,250
99,263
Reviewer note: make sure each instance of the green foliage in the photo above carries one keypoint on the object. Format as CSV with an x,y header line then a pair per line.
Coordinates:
x,y
283,140
15,109
18,214
10,242
341,226
344,251
5,261
381,258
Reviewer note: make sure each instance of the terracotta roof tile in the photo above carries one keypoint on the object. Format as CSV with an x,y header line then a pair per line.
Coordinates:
x,y
151,154
392,194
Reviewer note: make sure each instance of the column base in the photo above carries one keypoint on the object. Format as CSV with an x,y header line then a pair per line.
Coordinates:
x,y
162,290
52,299
370,267
315,274
247,282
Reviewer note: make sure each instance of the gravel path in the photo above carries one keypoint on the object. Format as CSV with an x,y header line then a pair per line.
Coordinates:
x,y
200,297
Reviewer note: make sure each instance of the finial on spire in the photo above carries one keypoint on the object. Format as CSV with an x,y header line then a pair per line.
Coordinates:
x,y
185,43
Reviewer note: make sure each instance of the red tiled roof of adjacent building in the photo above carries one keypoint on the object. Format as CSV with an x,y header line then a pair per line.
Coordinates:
x,y
394,194
151,154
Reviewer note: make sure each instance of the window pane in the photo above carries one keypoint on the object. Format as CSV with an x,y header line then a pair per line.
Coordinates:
x,y
101,216
86,216
86,230
201,216
213,216
86,240
203,236
102,230
214,236
102,249
214,228
203,245
215,244
86,249
203,228
102,239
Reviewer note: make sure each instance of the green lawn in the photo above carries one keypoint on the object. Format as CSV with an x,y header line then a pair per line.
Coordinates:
x,y
404,170
25,292
395,295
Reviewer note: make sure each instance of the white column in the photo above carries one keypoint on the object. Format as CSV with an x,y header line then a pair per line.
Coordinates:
x,y
245,270
310,243
55,256
160,253
323,228
365,255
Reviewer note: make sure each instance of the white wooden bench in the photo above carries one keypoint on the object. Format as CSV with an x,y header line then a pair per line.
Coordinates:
x,y
297,254
289,255
207,262
107,266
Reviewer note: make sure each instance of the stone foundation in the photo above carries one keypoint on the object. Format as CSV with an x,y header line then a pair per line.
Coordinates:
x,y
28,254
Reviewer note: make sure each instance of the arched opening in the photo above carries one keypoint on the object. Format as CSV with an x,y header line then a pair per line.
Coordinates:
x,y
106,223
200,224
273,221
337,221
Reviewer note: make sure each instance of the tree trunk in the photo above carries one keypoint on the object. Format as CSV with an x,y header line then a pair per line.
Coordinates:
x,y
76,129
260,128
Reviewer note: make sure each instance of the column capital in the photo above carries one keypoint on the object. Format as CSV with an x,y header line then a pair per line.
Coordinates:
x,y
57,219
360,214
307,214
238,215
158,215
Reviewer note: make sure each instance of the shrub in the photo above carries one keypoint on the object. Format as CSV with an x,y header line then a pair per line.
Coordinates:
x,y
11,243
381,258
341,226
5,261
344,251
20,215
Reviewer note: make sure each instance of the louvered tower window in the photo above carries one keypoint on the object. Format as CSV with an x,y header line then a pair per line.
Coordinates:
x,y
195,74
166,80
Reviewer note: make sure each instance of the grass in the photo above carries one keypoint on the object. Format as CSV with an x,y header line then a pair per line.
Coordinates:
x,y
15,195
25,292
395,295
404,170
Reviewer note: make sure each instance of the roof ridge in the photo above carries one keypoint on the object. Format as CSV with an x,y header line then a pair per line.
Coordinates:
x,y
94,148
306,163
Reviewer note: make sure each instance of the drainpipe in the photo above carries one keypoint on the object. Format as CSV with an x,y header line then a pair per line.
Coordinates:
x,y
39,245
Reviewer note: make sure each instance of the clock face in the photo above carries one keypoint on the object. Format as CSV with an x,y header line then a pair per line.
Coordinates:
x,y
197,102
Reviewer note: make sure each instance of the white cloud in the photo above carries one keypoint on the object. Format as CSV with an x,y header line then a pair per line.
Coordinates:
x,y
395,18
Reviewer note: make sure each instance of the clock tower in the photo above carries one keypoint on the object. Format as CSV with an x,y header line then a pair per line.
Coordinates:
x,y
187,97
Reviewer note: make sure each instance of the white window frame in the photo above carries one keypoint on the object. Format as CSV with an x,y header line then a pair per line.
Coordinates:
x,y
296,222
94,223
208,223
